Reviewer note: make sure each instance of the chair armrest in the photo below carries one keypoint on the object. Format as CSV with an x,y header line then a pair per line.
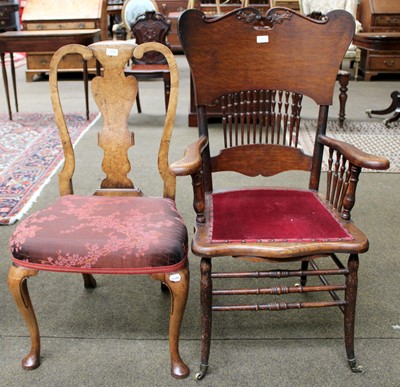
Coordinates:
x,y
355,155
191,164
191,161
343,175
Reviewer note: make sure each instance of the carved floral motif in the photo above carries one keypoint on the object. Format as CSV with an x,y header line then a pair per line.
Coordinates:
x,y
274,16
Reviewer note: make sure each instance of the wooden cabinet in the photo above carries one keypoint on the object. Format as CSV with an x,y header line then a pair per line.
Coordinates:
x,y
379,16
8,15
62,15
171,9
171,6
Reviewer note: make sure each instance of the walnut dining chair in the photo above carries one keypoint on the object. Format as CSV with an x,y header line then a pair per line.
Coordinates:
x,y
117,230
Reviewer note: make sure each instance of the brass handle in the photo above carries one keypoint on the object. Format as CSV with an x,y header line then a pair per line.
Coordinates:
x,y
389,63
164,6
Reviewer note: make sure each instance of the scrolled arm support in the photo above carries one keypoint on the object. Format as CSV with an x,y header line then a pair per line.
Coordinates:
x,y
350,197
198,199
192,161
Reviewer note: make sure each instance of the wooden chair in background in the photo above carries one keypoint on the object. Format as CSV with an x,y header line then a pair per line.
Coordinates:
x,y
131,10
118,230
319,8
259,85
151,27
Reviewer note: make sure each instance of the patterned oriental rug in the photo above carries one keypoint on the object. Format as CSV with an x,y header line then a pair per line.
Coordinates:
x,y
30,153
19,59
371,137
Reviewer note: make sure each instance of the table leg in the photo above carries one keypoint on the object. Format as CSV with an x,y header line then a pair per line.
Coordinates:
x,y
5,81
14,81
393,106
86,87
395,117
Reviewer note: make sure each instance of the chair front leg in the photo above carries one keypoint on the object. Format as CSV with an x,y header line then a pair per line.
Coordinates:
x,y
167,88
89,281
178,284
350,311
17,283
206,312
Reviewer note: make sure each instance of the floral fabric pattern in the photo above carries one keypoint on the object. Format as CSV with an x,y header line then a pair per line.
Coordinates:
x,y
97,233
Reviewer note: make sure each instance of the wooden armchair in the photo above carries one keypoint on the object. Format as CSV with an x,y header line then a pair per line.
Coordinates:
x,y
118,230
261,100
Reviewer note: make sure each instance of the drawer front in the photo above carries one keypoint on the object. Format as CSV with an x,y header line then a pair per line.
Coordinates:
x,y
78,25
389,20
380,30
42,62
165,7
7,23
6,11
385,63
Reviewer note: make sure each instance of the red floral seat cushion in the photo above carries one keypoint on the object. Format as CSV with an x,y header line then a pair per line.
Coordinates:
x,y
98,234
273,215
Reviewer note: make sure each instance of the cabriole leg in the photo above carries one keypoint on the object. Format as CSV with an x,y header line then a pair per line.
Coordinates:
x,y
349,312
206,303
17,283
178,284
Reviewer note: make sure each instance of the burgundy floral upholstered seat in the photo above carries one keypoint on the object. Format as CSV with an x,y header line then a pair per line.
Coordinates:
x,y
99,234
116,228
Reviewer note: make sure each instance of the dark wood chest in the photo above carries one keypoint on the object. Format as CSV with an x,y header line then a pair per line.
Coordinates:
x,y
8,15
379,16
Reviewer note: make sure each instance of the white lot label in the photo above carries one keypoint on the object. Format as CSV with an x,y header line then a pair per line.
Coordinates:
x,y
262,39
175,277
112,52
